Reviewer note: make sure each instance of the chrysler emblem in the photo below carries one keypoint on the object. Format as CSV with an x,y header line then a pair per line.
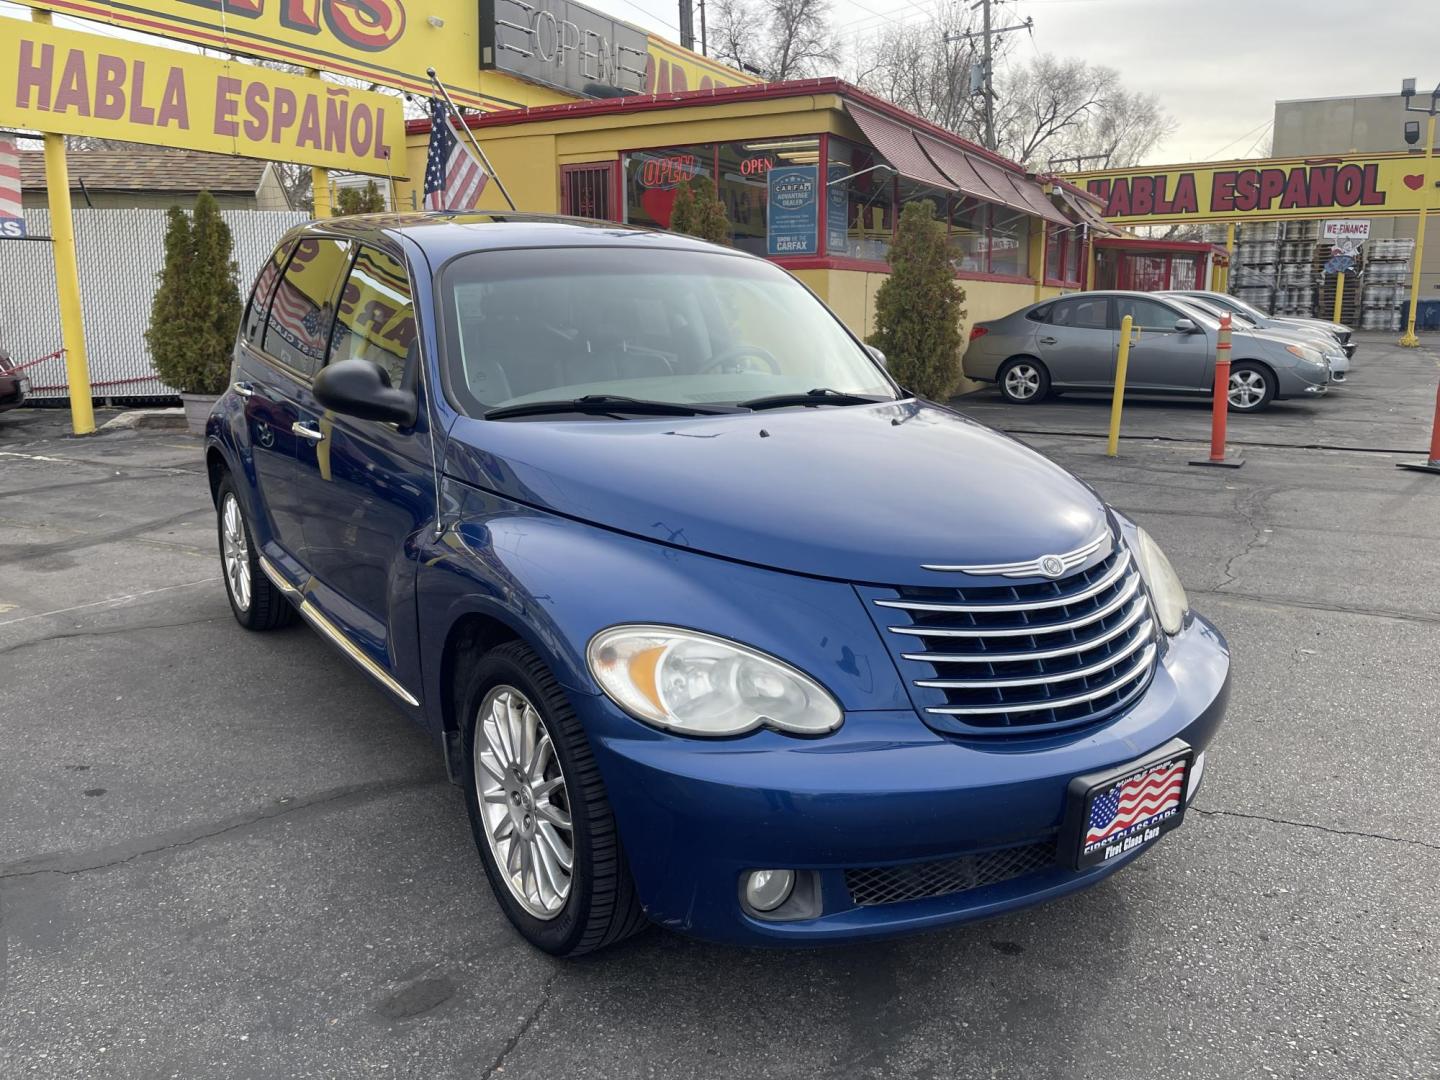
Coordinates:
x,y
1052,566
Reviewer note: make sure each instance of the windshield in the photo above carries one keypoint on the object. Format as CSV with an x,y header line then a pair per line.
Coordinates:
x,y
692,328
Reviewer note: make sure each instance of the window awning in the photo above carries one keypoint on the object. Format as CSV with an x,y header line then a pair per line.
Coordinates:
x,y
1086,213
896,144
1039,204
956,165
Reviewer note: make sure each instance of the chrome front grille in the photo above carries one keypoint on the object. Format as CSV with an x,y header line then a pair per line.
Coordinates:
x,y
1026,658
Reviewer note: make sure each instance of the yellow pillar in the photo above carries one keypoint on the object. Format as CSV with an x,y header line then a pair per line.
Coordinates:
x,y
1409,340
1090,261
67,276
319,179
1339,296
1117,399
1037,254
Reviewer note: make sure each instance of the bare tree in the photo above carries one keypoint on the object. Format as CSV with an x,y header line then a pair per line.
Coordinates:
x,y
1063,108
779,39
926,67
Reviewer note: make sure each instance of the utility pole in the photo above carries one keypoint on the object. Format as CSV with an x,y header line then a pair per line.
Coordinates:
x,y
989,69
986,83
704,38
687,24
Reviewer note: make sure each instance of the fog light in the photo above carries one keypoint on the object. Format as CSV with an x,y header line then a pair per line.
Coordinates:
x,y
1192,782
765,890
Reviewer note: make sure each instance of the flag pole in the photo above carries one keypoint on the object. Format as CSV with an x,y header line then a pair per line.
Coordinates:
x,y
435,82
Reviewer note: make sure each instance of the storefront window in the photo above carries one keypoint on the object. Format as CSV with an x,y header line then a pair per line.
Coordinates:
x,y
1185,272
969,218
1009,242
743,183
1054,253
653,176
1148,273
869,202
1072,255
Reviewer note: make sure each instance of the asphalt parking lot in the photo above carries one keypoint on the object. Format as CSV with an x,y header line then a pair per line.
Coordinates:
x,y
225,855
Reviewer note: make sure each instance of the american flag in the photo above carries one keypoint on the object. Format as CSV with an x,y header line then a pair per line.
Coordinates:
x,y
453,178
299,321
1137,799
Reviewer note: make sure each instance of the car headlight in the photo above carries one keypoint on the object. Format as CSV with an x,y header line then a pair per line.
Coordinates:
x,y
696,684
1309,355
1166,592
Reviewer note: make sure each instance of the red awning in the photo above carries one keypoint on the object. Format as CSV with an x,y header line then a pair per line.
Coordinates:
x,y
956,165
896,144
1086,212
1039,203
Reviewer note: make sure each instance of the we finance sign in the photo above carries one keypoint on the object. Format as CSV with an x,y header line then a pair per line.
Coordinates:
x,y
71,83
1282,188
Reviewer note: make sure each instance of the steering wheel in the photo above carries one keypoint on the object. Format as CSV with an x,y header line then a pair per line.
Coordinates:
x,y
738,351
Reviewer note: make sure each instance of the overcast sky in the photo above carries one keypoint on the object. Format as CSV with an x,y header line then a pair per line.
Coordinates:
x,y
1218,66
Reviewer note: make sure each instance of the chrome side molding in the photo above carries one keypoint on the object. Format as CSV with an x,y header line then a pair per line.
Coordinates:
x,y
328,629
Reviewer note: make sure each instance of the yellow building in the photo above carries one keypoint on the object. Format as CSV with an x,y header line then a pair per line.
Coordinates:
x,y
812,175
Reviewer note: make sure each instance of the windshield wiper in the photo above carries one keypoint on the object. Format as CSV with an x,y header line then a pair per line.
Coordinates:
x,y
821,395
605,405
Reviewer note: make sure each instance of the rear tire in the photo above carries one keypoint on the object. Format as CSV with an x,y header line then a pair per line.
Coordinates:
x,y
1023,381
1252,387
536,800
254,599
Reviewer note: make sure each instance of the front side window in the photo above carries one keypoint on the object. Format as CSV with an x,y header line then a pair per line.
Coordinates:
x,y
375,319
680,327
253,324
1146,314
300,315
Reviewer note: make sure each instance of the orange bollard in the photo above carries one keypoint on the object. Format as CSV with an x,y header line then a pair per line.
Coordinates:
x,y
1433,464
1220,411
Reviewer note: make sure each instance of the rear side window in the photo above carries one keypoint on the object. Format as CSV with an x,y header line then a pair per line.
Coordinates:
x,y
253,325
1088,314
376,316
304,306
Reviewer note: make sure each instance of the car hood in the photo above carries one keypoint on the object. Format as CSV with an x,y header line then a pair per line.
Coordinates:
x,y
1316,324
864,493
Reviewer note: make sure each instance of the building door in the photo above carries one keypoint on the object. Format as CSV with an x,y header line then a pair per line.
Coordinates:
x,y
588,191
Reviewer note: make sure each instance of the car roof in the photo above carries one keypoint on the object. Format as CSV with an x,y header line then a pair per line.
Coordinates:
x,y
445,234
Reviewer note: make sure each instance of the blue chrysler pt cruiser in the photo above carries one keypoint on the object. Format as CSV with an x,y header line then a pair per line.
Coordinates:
x,y
715,625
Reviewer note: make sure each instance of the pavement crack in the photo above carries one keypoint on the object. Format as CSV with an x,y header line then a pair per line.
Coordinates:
x,y
67,864
1317,828
1424,617
104,632
534,1014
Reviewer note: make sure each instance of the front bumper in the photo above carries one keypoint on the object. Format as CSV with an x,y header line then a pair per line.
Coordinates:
x,y
884,790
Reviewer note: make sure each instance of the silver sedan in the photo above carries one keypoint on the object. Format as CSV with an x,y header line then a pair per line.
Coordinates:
x,y
1071,343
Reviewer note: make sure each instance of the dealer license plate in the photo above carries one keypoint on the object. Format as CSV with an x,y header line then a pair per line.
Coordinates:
x,y
1111,813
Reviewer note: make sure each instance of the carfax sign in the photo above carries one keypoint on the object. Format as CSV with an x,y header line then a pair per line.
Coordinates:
x,y
60,80
794,210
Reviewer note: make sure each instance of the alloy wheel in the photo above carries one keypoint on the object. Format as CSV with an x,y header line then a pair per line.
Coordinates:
x,y
524,804
1247,389
235,551
1022,381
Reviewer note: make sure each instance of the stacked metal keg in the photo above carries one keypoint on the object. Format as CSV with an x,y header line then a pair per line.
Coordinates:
x,y
1385,294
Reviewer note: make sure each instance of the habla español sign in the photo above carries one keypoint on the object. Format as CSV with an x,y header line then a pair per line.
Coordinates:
x,y
1376,186
72,83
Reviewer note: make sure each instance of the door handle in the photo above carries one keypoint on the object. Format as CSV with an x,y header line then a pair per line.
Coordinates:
x,y
1047,341
306,429
244,389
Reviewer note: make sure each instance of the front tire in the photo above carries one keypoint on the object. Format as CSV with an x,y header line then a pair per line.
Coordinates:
x,y
1023,381
1252,387
254,599
543,826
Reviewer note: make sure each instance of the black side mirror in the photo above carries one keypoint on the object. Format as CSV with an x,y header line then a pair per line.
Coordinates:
x,y
876,353
1185,326
361,388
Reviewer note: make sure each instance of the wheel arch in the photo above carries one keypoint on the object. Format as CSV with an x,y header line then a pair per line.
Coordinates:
x,y
471,636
